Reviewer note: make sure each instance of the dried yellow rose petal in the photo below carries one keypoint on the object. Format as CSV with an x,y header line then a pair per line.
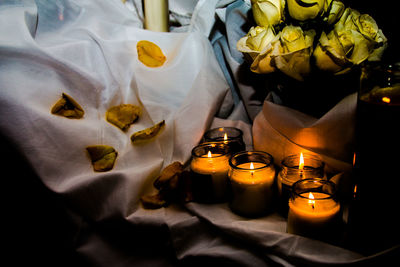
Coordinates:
x,y
167,175
67,107
123,115
103,157
153,201
147,134
150,54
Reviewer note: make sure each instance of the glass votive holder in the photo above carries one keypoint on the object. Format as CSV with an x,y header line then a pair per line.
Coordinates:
x,y
314,210
252,176
231,136
209,171
294,168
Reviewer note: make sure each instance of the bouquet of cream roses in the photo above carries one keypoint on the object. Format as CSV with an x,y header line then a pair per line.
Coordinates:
x,y
294,36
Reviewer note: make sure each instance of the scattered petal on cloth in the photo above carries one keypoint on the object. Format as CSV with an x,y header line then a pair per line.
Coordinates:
x,y
123,115
150,54
147,134
68,107
103,157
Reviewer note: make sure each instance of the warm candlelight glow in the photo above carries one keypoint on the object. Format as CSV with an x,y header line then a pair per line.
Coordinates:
x,y
252,168
301,165
386,99
252,177
209,172
355,191
225,138
311,200
301,162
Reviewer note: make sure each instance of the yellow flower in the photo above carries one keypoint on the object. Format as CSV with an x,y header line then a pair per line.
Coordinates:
x,y
290,53
255,41
335,11
267,12
306,9
293,39
259,37
354,39
332,50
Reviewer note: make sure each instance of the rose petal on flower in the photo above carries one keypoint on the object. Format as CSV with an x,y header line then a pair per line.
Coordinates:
x,y
325,61
150,54
295,64
361,50
267,12
264,62
305,9
367,26
292,38
259,37
248,53
336,10
294,59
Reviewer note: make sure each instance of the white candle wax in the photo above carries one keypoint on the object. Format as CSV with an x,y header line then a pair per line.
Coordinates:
x,y
316,218
217,167
252,189
156,15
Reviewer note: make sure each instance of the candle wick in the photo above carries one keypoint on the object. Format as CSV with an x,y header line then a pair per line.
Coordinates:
x,y
313,206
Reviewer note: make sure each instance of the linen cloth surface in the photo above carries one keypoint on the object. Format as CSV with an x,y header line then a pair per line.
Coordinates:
x,y
87,49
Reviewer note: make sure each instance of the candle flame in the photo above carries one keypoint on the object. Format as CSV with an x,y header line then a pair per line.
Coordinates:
x,y
225,138
355,191
209,154
301,162
311,200
386,99
251,168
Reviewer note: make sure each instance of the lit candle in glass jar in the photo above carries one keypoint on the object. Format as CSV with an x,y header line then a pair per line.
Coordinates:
x,y
294,168
231,136
313,210
209,169
252,178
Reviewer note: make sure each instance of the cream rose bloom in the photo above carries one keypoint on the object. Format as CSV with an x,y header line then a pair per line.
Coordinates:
x,y
290,53
255,41
268,12
354,39
306,9
334,12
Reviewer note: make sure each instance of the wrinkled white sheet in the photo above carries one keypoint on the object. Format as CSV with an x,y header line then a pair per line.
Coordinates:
x,y
94,60
87,49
